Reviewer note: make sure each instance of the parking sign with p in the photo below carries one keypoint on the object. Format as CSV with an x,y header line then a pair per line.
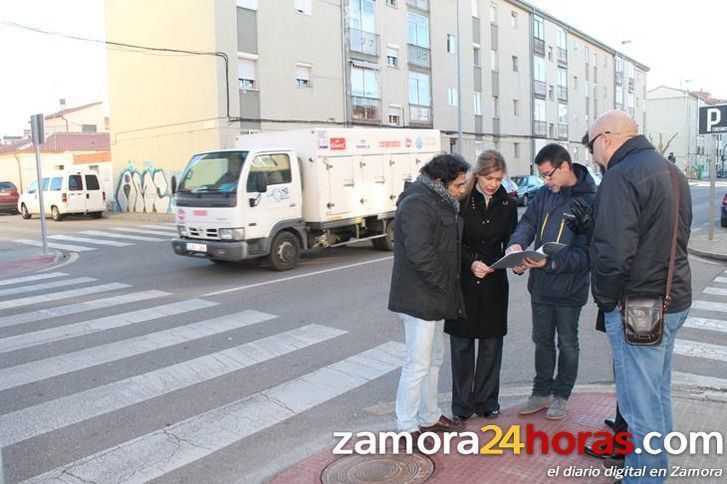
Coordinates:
x,y
713,119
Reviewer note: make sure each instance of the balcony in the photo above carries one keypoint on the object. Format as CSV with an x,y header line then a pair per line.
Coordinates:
x,y
420,4
539,46
364,42
420,115
419,56
561,55
562,131
562,93
540,128
366,109
539,89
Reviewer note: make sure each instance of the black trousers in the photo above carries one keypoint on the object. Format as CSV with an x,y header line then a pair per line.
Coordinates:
x,y
475,384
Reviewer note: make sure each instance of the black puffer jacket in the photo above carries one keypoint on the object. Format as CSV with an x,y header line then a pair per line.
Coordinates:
x,y
427,244
634,221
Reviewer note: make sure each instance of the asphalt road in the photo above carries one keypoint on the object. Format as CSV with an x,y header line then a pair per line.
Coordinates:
x,y
116,378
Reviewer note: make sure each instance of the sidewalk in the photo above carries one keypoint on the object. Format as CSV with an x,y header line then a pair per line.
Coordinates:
x,y
700,245
18,258
586,411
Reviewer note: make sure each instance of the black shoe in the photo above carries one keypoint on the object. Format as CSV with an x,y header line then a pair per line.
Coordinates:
x,y
460,419
610,423
491,414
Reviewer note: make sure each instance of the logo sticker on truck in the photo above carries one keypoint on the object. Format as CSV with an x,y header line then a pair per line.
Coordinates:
x,y
338,144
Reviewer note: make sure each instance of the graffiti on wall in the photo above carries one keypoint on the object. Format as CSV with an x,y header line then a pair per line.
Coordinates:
x,y
143,191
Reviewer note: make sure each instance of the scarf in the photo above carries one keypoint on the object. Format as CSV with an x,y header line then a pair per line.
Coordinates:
x,y
440,190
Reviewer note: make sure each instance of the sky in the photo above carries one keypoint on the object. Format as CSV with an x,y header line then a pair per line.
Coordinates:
x,y
681,42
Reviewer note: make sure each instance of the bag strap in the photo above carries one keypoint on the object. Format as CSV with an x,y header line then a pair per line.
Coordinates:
x,y
672,256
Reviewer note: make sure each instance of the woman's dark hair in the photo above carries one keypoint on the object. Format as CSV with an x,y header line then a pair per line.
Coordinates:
x,y
446,167
554,153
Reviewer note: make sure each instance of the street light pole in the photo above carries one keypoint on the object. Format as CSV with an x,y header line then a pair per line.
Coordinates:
x,y
459,86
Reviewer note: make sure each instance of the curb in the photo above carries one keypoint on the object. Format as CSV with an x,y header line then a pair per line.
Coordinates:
x,y
708,255
35,264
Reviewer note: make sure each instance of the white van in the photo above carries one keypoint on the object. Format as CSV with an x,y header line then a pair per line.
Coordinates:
x,y
65,192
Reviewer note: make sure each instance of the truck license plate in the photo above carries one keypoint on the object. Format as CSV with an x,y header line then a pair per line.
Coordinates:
x,y
196,247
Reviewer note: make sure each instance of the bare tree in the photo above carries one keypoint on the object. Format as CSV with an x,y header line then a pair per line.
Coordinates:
x,y
661,147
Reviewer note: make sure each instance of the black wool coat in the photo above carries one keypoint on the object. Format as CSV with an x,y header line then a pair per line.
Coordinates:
x,y
485,238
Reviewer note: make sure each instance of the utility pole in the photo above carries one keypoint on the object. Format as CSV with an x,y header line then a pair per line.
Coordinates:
x,y
459,86
38,136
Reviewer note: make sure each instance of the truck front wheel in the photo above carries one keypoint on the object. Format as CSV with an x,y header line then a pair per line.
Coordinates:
x,y
285,252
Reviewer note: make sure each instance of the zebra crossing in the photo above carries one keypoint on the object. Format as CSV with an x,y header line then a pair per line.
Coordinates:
x,y
110,332
117,236
709,316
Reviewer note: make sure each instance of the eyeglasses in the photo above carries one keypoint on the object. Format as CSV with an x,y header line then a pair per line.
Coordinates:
x,y
593,141
545,176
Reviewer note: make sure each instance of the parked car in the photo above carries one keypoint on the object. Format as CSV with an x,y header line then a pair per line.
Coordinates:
x,y
65,192
510,187
8,197
723,218
526,187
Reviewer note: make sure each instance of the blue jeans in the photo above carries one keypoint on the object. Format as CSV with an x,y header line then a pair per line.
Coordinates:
x,y
547,320
643,389
417,404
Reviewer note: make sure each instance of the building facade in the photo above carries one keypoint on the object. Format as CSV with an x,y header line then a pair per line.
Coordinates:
x,y
525,78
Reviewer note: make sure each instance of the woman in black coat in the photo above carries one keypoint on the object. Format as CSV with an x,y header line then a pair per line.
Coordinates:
x,y
490,216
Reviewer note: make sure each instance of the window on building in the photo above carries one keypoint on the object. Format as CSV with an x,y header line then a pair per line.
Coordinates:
x,y
516,150
560,38
476,8
363,15
562,77
303,75
247,73
575,46
513,19
364,82
587,54
88,128
563,113
478,104
418,30
538,27
493,13
515,107
452,43
248,4
515,67
550,53
476,55
392,56
303,6
575,83
539,68
619,95
551,94
452,96
395,115
538,110
391,3
495,107
493,60
419,92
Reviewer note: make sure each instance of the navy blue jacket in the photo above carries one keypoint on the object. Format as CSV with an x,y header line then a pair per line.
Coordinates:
x,y
564,280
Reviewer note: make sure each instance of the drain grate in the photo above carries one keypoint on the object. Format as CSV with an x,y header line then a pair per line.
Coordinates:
x,y
389,469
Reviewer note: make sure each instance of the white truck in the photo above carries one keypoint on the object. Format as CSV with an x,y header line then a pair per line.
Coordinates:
x,y
279,193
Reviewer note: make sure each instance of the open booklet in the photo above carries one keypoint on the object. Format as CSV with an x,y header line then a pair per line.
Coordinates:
x,y
515,259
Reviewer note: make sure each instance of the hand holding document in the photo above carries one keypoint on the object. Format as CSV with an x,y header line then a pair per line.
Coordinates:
x,y
517,258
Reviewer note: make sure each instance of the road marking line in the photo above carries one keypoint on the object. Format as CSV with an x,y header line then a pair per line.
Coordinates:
x,y
60,333
722,280
160,452
75,308
53,245
699,380
143,231
98,355
706,324
90,241
172,229
299,276
696,349
52,415
709,306
101,233
715,291
38,277
55,296
46,285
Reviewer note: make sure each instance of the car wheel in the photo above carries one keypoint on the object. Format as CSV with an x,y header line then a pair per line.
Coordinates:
x,y
285,252
56,214
385,243
96,214
24,212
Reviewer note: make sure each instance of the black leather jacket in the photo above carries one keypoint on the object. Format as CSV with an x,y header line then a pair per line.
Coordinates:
x,y
633,231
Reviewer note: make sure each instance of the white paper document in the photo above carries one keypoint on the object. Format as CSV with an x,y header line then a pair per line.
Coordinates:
x,y
515,259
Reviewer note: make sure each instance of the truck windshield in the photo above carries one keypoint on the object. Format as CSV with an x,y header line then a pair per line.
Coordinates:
x,y
213,173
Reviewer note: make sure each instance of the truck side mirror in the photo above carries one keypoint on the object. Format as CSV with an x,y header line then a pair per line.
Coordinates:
x,y
261,182
174,184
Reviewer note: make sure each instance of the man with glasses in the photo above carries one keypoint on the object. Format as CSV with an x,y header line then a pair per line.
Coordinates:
x,y
630,251
558,285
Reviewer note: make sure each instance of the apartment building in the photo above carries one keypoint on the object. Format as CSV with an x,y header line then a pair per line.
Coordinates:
x,y
526,78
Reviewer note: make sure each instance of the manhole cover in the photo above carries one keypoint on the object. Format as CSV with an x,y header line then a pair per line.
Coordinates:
x,y
410,469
